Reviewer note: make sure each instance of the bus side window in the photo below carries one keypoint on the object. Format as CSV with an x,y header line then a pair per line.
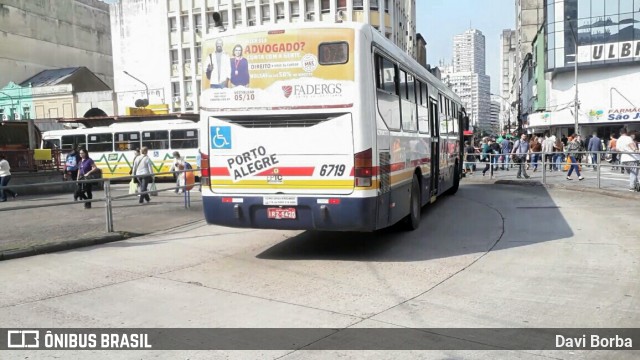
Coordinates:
x,y
68,141
156,140
100,142
423,108
443,115
184,139
408,101
127,141
387,92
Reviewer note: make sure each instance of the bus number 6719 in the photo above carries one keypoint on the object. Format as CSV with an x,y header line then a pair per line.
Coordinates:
x,y
332,170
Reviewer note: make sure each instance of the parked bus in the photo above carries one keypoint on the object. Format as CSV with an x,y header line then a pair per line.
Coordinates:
x,y
323,126
112,147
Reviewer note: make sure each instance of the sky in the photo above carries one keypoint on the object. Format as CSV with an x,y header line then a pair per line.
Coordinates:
x,y
439,20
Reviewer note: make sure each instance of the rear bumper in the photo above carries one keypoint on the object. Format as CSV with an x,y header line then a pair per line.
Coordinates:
x,y
351,214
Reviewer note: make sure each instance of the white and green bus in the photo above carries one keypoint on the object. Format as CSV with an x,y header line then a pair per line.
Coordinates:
x,y
112,147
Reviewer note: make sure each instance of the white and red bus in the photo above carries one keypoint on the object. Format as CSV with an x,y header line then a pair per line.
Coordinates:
x,y
323,126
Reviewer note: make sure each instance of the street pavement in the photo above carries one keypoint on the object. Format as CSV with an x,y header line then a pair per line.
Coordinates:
x,y
493,255
43,229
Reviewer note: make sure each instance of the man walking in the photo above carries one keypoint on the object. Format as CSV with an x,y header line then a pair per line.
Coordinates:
x,y
520,150
594,147
626,144
506,147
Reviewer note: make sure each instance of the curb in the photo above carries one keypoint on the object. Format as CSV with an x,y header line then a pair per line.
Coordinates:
x,y
611,193
64,245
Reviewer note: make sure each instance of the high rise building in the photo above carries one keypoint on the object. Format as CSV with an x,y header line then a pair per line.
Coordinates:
x,y
467,77
159,41
495,114
508,75
469,52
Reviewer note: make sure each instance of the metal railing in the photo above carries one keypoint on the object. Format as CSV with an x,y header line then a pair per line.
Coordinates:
x,y
550,165
108,197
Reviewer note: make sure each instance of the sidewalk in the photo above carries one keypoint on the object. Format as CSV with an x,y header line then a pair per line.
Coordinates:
x,y
612,182
31,231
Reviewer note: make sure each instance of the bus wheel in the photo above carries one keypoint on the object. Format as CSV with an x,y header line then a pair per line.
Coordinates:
x,y
412,221
456,180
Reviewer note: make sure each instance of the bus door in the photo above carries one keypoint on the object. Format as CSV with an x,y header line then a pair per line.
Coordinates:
x,y
435,148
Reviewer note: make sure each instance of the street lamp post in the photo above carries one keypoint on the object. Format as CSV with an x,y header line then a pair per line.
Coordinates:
x,y
140,103
12,109
575,70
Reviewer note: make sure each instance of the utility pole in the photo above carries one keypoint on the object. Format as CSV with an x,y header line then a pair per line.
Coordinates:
x,y
576,104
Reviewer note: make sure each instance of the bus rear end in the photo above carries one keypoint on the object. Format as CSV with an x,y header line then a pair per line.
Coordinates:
x,y
280,148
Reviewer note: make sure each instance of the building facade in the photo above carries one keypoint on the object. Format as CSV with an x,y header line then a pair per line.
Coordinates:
x,y
608,64
159,41
508,74
494,115
39,35
530,15
56,93
467,77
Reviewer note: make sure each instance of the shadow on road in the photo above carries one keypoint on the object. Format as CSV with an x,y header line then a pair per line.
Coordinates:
x,y
473,221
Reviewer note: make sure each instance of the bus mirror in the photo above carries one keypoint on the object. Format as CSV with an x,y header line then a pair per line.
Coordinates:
x,y
465,123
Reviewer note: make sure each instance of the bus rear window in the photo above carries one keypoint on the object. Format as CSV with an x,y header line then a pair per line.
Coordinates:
x,y
333,53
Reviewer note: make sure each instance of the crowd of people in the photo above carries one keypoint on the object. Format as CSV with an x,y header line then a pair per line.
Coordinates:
x,y
560,154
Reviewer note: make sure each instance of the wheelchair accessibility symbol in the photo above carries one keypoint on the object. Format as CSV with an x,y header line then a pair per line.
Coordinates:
x,y
221,137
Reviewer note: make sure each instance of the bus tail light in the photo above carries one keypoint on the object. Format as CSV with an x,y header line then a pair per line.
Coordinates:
x,y
363,169
204,169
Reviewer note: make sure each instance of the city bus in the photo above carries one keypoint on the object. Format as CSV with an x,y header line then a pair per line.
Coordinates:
x,y
323,126
112,147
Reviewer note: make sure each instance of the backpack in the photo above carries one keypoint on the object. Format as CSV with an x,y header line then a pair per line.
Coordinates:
x,y
187,166
71,162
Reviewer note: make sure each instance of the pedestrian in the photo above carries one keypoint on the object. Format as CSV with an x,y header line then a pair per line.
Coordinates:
x,y
547,149
5,177
486,154
573,148
536,152
179,165
198,167
506,146
469,153
143,171
519,152
495,154
86,171
629,159
611,147
72,161
558,156
594,147
579,153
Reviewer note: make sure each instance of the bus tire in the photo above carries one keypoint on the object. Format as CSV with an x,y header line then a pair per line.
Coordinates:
x,y
456,180
412,221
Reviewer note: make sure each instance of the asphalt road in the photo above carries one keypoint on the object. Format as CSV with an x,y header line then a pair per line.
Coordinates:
x,y
491,256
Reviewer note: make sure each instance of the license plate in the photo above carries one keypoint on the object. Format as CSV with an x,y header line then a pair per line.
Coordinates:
x,y
281,213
